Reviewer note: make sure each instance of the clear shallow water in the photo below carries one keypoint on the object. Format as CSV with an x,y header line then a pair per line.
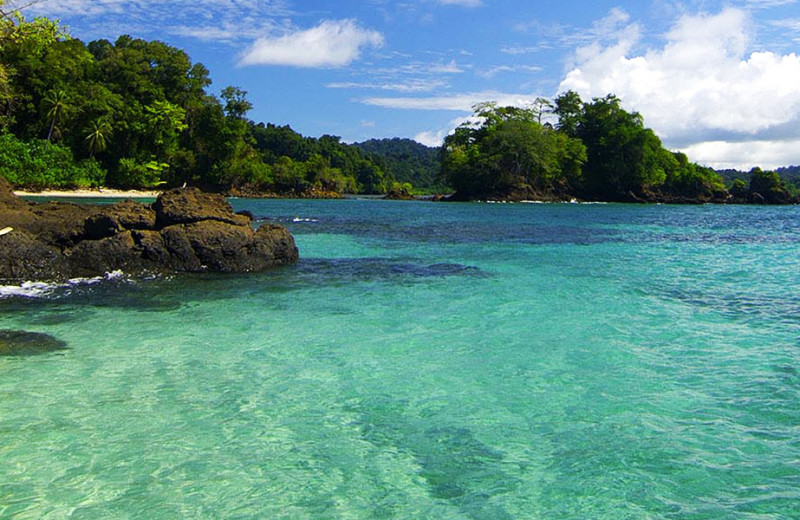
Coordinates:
x,y
427,361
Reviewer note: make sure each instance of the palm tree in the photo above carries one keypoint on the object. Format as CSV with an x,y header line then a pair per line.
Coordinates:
x,y
96,139
57,100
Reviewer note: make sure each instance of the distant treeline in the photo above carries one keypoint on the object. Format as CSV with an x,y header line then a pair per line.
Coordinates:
x,y
408,162
137,113
595,151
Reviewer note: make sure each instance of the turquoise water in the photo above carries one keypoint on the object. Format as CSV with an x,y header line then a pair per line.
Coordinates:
x,y
442,361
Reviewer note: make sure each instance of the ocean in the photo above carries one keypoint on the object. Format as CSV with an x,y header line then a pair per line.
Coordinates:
x,y
425,361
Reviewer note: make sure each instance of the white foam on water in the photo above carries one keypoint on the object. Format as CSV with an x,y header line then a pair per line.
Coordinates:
x,y
34,289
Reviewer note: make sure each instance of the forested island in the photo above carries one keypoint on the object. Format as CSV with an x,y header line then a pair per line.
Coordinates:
x,y
138,114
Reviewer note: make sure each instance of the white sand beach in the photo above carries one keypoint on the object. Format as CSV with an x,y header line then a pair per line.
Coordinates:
x,y
100,192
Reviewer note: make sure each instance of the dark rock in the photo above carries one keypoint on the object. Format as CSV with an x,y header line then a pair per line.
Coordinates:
x,y
185,231
60,224
24,343
152,247
23,257
112,219
187,205
96,257
276,241
247,213
399,195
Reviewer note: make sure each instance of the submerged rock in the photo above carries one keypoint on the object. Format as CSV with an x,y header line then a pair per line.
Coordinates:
x,y
185,230
24,343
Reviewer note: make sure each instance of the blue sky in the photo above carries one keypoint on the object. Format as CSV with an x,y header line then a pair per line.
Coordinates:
x,y
718,80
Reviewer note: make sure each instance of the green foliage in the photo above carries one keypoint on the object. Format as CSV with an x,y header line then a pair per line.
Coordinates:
x,y
569,109
597,151
764,181
57,105
236,104
407,161
768,186
97,137
739,189
691,180
166,127
509,151
329,164
39,165
623,156
133,174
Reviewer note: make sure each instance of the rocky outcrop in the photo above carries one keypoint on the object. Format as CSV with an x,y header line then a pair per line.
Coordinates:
x,y
24,343
185,230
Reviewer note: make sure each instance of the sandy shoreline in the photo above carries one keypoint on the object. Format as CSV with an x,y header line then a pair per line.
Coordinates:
x,y
97,193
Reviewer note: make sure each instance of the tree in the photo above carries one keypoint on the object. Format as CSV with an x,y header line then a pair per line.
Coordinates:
x,y
509,152
57,101
542,106
96,139
569,109
623,156
236,104
767,186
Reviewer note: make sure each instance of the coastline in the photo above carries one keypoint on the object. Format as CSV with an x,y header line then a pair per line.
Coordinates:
x,y
94,193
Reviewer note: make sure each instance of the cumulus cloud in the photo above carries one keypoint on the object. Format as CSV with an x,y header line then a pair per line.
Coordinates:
x,y
702,91
333,43
435,138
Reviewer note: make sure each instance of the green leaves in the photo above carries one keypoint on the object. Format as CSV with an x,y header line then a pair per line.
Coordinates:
x,y
97,138
56,102
39,164
509,151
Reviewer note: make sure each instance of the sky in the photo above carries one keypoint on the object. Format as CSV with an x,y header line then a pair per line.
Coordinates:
x,y
719,81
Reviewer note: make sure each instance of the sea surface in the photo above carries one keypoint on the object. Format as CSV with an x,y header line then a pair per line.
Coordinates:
x,y
425,361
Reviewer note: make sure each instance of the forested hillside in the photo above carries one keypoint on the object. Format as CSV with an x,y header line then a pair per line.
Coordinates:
x,y
136,113
408,161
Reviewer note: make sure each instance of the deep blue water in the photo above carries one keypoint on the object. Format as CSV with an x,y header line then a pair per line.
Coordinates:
x,y
443,361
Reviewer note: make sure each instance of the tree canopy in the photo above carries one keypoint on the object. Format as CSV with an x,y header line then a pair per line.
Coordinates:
x,y
591,150
140,113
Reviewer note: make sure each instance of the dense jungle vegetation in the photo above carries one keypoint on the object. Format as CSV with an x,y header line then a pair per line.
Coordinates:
x,y
595,151
138,114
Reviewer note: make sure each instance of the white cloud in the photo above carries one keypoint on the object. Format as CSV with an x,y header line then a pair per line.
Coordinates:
x,y
494,71
435,138
72,7
740,155
768,3
407,86
701,88
446,68
333,43
793,24
463,3
457,102
517,50
224,31
208,20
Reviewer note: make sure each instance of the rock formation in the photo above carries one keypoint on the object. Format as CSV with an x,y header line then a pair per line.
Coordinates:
x,y
185,230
